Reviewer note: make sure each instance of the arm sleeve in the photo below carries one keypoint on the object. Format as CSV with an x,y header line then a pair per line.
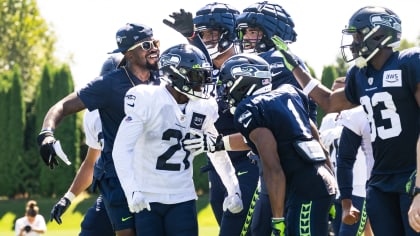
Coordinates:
x,y
129,131
226,171
349,144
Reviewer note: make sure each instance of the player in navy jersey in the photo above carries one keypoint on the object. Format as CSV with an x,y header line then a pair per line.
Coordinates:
x,y
154,169
95,221
215,24
256,25
386,84
300,184
106,93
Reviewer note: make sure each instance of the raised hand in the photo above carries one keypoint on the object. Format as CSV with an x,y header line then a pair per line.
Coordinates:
x,y
183,23
289,59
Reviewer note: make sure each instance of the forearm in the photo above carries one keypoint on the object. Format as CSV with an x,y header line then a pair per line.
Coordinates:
x,y
275,181
68,105
236,143
418,162
225,170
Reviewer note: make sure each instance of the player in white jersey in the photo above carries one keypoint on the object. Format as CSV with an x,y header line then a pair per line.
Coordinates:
x,y
154,169
330,130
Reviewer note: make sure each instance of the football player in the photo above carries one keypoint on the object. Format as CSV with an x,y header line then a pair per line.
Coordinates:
x,y
153,167
106,93
276,126
386,83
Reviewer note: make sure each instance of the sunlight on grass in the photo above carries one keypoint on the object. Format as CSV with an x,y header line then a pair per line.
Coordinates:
x,y
72,219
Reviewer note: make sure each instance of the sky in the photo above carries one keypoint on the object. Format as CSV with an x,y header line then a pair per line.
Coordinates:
x,y
86,28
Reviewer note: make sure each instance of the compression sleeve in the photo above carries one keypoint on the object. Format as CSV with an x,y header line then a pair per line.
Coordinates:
x,y
226,171
349,144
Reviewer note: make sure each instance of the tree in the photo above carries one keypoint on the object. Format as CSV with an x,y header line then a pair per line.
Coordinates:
x,y
26,40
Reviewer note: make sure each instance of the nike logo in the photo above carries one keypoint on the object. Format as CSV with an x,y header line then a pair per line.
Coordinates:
x,y
275,74
130,104
242,173
126,218
247,123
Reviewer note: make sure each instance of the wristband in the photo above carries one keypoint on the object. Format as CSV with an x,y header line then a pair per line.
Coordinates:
x,y
310,86
69,195
226,142
47,132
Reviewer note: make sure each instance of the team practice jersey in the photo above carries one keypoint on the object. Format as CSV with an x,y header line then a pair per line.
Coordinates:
x,y
380,92
93,129
154,126
284,111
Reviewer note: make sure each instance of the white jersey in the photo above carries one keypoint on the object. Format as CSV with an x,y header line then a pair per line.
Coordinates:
x,y
38,223
93,129
148,154
330,131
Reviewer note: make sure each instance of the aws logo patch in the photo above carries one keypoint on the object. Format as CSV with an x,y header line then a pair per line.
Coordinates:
x,y
392,78
197,121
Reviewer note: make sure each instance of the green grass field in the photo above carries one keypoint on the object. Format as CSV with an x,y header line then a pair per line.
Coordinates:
x,y
10,210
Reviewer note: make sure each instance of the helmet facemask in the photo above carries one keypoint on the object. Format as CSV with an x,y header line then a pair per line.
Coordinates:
x,y
187,70
370,29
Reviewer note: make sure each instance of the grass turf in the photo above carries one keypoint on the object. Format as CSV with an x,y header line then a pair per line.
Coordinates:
x,y
10,210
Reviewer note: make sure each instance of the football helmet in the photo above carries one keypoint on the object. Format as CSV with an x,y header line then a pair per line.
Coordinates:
x,y
220,17
244,75
111,63
272,19
370,29
185,67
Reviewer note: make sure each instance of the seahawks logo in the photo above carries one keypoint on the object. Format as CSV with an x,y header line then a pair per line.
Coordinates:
x,y
170,59
249,70
385,20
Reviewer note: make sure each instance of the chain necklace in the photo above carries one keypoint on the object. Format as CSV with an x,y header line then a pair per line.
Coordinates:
x,y
128,76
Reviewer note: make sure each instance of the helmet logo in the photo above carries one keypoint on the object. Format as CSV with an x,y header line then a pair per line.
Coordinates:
x,y
385,20
170,59
249,70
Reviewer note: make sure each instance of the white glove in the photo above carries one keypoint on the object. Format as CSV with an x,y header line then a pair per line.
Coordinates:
x,y
199,142
138,202
328,136
233,203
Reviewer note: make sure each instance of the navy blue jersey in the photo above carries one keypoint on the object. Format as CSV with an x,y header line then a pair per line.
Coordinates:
x,y
388,99
107,95
284,111
281,75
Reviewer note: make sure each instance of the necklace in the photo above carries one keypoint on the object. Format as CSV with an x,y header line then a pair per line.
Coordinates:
x,y
128,76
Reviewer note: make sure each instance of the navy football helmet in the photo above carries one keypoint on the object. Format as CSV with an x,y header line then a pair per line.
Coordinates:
x,y
111,63
272,19
370,29
244,75
220,17
185,67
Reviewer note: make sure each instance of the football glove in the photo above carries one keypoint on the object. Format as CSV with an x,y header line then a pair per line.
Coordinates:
x,y
183,23
59,209
46,143
138,202
233,203
289,59
199,142
277,226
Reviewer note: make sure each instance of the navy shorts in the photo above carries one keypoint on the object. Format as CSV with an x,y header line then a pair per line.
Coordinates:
x,y
388,212
178,219
116,204
96,221
261,219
